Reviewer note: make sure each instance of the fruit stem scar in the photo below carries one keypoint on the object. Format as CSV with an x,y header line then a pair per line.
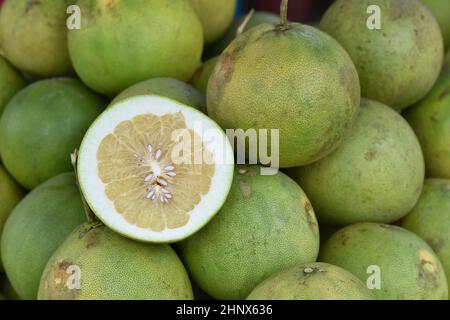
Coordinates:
x,y
283,14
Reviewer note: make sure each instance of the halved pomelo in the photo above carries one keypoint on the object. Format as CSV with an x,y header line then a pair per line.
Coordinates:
x,y
155,170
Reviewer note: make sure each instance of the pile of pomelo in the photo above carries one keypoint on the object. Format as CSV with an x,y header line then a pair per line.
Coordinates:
x,y
295,162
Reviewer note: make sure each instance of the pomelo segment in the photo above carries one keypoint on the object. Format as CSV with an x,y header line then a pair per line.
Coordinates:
x,y
148,173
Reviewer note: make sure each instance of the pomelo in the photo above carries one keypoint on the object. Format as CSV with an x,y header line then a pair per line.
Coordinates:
x,y
201,77
123,42
35,229
111,267
408,43
215,15
266,225
11,82
154,169
441,11
8,291
33,35
430,219
430,119
166,87
289,77
42,125
312,281
10,195
406,267
376,175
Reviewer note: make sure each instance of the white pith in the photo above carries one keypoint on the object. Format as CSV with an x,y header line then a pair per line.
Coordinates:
x,y
94,189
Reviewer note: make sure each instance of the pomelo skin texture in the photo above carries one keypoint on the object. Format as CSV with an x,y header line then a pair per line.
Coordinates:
x,y
215,15
33,35
441,11
42,125
35,229
266,225
201,77
375,176
113,267
430,219
409,269
123,42
312,281
389,59
10,195
10,83
430,119
298,80
166,87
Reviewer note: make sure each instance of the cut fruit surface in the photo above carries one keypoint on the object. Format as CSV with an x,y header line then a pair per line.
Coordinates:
x,y
155,170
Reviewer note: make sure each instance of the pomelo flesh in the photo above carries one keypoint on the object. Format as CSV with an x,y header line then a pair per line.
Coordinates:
x,y
11,82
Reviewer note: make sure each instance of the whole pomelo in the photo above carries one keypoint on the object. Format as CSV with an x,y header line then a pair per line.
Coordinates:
x,y
10,195
42,125
430,119
389,59
201,77
123,42
215,15
104,259
441,11
11,82
266,225
375,176
402,264
292,78
430,219
35,229
33,35
312,281
166,87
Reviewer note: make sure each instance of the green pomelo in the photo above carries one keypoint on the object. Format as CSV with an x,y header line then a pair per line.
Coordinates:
x,y
405,265
430,219
166,87
409,43
258,18
10,195
292,78
33,35
42,125
35,229
312,281
215,15
201,77
441,11
266,225
123,42
430,119
375,176
104,259
10,83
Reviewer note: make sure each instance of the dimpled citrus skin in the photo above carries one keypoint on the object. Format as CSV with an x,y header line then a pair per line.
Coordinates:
x,y
409,269
430,119
312,281
299,81
430,219
42,125
113,267
201,77
10,83
266,225
166,87
215,15
375,175
33,36
123,42
35,229
441,10
389,60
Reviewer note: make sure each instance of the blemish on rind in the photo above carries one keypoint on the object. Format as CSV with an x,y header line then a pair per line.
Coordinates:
x,y
246,189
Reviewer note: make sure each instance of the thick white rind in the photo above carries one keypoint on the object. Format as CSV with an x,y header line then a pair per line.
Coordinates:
x,y
93,188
